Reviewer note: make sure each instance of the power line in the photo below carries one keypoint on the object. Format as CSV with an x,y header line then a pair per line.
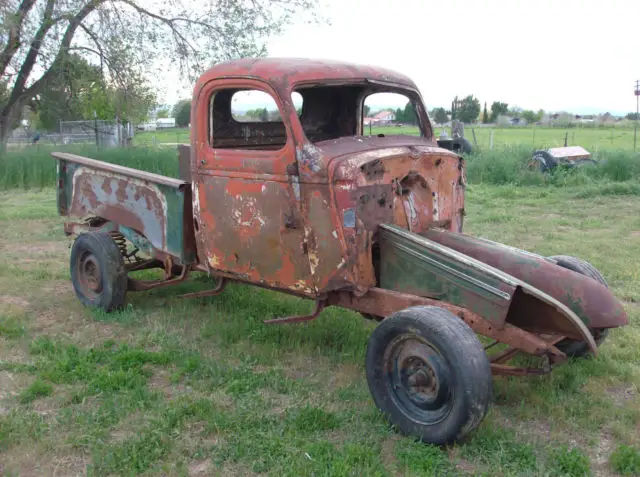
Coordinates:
x,y
635,128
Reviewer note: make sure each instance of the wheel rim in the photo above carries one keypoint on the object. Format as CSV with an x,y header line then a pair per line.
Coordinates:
x,y
89,275
419,379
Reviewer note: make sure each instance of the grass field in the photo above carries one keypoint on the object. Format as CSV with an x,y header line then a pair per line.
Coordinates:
x,y
35,168
534,137
174,387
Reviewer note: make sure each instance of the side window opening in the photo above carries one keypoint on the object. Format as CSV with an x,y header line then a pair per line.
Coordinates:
x,y
245,119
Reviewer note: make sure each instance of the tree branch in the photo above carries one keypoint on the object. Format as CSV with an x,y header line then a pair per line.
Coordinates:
x,y
30,59
15,31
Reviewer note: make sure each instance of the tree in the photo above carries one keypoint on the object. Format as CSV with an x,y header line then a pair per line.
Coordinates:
x,y
127,38
633,116
440,116
367,110
75,89
182,113
455,105
498,109
469,109
485,114
409,114
162,113
78,91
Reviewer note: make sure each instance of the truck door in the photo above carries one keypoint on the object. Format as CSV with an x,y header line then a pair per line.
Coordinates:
x,y
246,194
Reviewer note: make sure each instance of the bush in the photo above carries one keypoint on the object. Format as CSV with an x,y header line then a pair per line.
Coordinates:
x,y
509,166
625,460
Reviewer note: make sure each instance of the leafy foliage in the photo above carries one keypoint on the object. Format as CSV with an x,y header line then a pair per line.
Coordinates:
x,y
128,38
469,109
182,113
407,115
440,116
498,109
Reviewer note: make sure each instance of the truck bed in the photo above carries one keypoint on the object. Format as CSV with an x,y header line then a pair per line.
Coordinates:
x,y
141,205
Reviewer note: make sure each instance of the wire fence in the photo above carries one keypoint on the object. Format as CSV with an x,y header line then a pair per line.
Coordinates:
x,y
100,133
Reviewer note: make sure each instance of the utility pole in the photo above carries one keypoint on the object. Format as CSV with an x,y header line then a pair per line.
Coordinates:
x,y
635,129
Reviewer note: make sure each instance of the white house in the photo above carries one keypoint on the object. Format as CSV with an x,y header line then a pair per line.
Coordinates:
x,y
165,123
384,117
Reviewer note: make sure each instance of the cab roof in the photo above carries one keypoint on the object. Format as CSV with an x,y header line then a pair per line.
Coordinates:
x,y
286,72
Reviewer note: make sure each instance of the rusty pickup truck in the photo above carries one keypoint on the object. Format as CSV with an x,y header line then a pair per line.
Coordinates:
x,y
299,199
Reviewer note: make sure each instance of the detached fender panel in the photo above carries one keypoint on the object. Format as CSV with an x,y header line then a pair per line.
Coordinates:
x,y
593,303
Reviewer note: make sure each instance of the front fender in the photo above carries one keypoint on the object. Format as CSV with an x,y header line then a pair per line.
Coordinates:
x,y
442,269
593,303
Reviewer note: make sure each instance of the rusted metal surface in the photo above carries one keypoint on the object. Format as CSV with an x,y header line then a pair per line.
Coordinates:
x,y
217,290
298,205
571,153
120,170
134,284
320,305
592,302
157,208
184,162
411,263
383,303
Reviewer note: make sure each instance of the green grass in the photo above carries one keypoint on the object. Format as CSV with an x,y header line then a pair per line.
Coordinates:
x,y
35,168
626,460
170,386
593,139
37,390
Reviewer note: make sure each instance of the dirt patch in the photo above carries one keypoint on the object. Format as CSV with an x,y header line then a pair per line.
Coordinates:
x,y
277,403
345,375
161,382
11,384
635,233
599,455
26,461
622,394
14,301
198,468
388,456
42,248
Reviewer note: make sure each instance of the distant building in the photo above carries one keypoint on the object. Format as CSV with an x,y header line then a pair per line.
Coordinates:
x,y
165,123
384,117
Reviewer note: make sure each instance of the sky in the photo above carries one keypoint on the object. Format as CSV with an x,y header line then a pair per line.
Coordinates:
x,y
565,55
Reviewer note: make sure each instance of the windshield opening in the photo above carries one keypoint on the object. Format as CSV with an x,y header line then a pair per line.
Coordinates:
x,y
335,111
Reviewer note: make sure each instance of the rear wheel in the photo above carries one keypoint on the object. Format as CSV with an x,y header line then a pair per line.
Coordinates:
x,y
429,374
573,348
97,271
542,161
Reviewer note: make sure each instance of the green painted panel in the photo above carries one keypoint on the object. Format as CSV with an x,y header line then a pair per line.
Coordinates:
x,y
410,263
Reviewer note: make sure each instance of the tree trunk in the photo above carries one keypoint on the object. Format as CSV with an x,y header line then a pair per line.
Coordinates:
x,y
7,124
5,130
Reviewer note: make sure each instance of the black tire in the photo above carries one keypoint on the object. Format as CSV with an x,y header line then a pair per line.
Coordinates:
x,y
543,161
429,374
97,271
573,348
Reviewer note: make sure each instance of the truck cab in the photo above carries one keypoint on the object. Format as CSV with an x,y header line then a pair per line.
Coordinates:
x,y
293,199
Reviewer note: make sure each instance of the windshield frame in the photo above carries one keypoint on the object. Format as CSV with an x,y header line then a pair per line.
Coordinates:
x,y
369,87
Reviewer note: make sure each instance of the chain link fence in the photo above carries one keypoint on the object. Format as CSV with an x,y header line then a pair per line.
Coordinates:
x,y
101,133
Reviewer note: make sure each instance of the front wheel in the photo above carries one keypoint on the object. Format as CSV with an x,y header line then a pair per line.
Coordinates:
x,y
573,348
429,374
